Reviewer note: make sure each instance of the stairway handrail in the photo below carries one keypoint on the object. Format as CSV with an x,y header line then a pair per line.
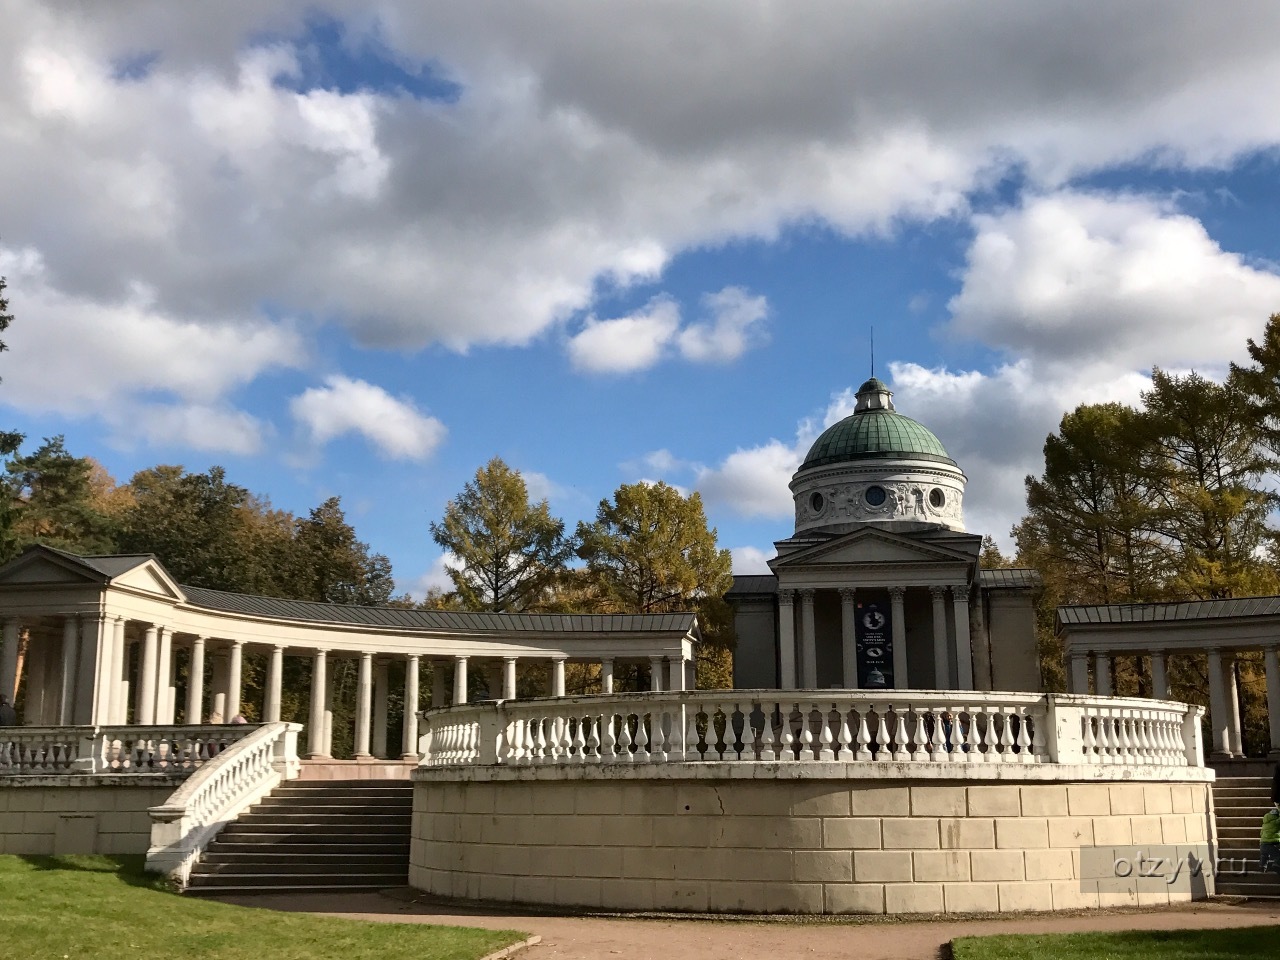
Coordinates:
x,y
218,792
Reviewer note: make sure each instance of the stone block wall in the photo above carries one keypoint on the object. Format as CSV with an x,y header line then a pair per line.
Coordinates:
x,y
805,846
78,814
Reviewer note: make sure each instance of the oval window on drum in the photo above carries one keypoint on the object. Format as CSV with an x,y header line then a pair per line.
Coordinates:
x,y
875,496
937,498
817,502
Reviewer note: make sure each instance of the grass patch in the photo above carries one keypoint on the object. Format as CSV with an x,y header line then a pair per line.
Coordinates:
x,y
86,908
1241,943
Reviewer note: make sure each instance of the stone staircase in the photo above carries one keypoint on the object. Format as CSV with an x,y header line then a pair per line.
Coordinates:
x,y
313,835
1239,804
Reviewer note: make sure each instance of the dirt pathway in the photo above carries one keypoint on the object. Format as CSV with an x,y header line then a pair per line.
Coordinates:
x,y
609,938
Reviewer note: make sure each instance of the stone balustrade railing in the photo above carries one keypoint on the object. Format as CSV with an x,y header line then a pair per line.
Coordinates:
x,y
816,727
45,751
235,779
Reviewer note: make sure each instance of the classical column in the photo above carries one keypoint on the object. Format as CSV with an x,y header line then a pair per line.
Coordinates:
x,y
70,649
606,675
438,688
381,691
218,683
1233,707
164,657
459,681
1080,673
409,739
808,642
195,683
675,673
964,640
275,681
91,630
1271,658
144,711
787,639
655,674
898,631
330,698
235,671
1159,676
315,723
508,678
1102,673
364,703
1219,712
849,637
9,660
941,661
118,708
102,680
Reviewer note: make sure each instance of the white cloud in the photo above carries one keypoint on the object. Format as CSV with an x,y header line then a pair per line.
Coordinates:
x,y
1123,280
436,576
195,426
343,405
748,560
736,325
626,344
541,487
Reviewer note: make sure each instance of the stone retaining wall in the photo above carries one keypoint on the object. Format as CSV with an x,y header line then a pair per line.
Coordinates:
x,y
642,841
80,813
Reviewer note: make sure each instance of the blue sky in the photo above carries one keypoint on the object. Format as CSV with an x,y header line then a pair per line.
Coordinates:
x,y
359,249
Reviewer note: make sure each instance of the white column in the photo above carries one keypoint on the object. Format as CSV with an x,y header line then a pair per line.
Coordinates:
x,y
808,642
849,637
898,629
381,691
438,689
1271,657
557,677
275,682
1159,676
315,724
964,642
102,681
1233,707
118,710
195,683
1219,712
606,675
91,630
9,660
508,678
235,670
675,673
655,674
787,639
1102,673
941,661
70,651
409,745
330,697
1080,673
459,680
144,711
164,654
364,703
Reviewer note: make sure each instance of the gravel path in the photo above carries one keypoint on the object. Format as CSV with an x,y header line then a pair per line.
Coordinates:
x,y
607,938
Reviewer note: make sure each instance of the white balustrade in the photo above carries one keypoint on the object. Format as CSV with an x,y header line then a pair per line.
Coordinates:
x,y
220,790
41,751
812,727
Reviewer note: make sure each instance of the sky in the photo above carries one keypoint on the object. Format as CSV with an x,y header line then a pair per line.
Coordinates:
x,y
358,249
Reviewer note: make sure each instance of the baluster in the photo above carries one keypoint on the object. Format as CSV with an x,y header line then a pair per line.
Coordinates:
x,y
806,733
593,738
1024,736
624,738
1007,740
1124,743
917,744
1038,746
691,753
844,751
825,739
608,722
940,736
540,740
1104,739
788,737
883,742
864,737
641,739
740,744
717,730
580,741
1088,739
769,747
900,742
990,739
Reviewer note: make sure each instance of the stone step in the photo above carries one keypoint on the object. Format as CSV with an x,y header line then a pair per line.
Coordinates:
x,y
224,882
304,835
274,865
352,818
303,848
311,801
284,886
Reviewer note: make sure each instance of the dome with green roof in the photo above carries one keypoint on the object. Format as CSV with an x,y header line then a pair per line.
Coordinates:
x,y
875,431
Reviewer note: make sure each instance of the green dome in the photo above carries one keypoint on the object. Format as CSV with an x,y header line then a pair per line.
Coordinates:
x,y
875,435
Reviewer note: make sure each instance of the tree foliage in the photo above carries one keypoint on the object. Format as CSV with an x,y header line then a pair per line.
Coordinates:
x,y
52,498
509,552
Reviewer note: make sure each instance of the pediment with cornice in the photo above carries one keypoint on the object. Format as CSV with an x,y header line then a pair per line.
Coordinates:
x,y
874,548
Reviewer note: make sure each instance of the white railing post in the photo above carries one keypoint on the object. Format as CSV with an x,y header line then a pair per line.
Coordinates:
x,y
1193,736
1064,726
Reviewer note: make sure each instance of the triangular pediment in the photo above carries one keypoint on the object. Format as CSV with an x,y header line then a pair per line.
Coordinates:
x,y
37,566
872,547
149,577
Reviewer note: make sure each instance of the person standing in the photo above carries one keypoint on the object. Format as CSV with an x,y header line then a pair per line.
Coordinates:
x,y
8,715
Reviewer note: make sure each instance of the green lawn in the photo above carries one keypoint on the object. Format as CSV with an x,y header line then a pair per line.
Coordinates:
x,y
1245,943
86,908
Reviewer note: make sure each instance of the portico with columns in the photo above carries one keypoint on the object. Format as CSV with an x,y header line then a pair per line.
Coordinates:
x,y
880,566
1153,634
94,641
